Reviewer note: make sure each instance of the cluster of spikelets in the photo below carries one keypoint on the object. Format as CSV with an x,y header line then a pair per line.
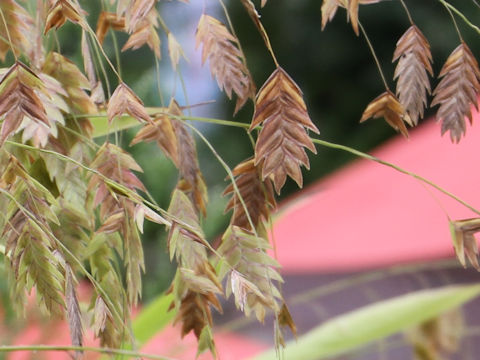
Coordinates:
x,y
76,210
456,93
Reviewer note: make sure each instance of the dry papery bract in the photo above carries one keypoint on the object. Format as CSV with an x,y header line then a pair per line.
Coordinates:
x,y
414,62
439,337
227,62
463,237
257,195
196,285
17,28
279,150
457,92
329,8
387,106
59,11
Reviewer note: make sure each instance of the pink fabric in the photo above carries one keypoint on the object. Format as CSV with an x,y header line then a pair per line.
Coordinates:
x,y
368,215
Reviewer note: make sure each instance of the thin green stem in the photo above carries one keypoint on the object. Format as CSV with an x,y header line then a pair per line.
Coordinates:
x,y
101,350
232,30
326,144
397,168
117,52
95,40
372,50
230,175
448,7
10,42
460,15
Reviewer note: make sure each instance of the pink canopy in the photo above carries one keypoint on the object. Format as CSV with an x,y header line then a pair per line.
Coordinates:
x,y
368,215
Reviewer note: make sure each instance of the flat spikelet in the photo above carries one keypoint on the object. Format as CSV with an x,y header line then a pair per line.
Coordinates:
x,y
106,21
117,210
72,80
387,106
191,178
464,242
18,99
258,196
20,28
457,91
29,247
227,62
62,10
195,285
414,61
329,9
174,50
280,145
125,101
137,12
252,272
145,33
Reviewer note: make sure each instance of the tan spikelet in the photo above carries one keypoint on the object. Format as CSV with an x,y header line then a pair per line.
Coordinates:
x,y
464,241
124,100
18,99
106,21
227,62
457,91
414,61
191,182
387,106
329,9
74,83
145,33
137,12
280,145
62,10
20,29
258,196
174,50
160,130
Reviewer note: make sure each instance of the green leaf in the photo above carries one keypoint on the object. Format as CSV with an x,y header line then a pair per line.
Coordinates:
x,y
101,127
376,321
153,318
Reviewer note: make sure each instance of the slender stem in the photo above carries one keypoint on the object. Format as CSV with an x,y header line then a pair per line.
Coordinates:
x,y
316,141
408,12
95,40
448,7
461,15
397,168
372,50
252,12
232,30
101,350
117,52
230,175
8,34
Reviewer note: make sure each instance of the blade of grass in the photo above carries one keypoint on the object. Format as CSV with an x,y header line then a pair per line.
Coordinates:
x,y
376,321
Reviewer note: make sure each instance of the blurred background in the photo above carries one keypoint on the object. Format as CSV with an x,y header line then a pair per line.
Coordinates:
x,y
335,70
